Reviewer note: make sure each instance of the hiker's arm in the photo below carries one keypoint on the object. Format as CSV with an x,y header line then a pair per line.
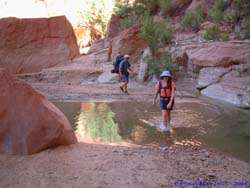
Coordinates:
x,y
131,71
172,98
129,68
155,96
120,73
120,69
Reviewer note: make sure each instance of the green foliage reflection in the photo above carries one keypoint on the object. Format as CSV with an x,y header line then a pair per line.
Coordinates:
x,y
96,123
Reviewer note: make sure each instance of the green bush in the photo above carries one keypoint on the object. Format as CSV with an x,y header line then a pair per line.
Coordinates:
x,y
219,5
231,16
133,19
246,31
95,18
243,70
155,34
164,33
167,6
224,36
122,8
214,33
150,5
164,62
243,3
192,20
217,13
131,14
148,35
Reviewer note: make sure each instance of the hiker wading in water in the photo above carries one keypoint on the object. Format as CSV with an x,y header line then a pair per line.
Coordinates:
x,y
124,74
166,89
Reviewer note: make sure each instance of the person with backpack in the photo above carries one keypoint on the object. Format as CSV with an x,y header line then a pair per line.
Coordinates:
x,y
124,74
165,88
117,62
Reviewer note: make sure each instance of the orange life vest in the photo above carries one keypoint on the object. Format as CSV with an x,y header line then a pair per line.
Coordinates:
x,y
165,92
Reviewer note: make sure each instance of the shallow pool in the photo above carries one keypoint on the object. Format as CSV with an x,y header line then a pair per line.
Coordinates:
x,y
197,122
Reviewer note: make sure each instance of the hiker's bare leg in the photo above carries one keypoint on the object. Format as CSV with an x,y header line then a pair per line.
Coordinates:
x,y
165,117
126,85
168,116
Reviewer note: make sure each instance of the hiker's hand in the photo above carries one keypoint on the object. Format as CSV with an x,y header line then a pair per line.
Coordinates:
x,y
154,101
169,105
134,74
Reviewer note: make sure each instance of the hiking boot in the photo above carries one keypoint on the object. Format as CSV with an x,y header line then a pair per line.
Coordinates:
x,y
121,88
163,148
166,129
126,92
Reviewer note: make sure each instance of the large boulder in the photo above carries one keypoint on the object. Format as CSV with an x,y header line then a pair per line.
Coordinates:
x,y
143,66
30,45
180,57
210,75
96,46
219,54
29,123
128,42
113,29
232,88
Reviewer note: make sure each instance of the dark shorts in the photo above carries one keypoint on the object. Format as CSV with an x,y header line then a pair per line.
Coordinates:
x,y
125,77
164,103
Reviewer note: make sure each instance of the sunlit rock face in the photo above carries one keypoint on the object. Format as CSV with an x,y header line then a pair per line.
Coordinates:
x,y
128,42
113,29
97,46
29,123
72,9
233,87
77,12
83,36
218,54
210,75
30,45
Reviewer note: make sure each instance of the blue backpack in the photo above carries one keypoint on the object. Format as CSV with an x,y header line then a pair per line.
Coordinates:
x,y
116,64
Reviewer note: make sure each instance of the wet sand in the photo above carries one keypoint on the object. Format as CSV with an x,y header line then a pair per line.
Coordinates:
x,y
110,166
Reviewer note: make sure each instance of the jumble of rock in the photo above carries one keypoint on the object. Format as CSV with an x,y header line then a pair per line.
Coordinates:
x,y
233,87
210,75
223,69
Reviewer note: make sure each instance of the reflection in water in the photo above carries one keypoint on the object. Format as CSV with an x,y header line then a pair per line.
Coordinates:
x,y
194,124
70,109
95,123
